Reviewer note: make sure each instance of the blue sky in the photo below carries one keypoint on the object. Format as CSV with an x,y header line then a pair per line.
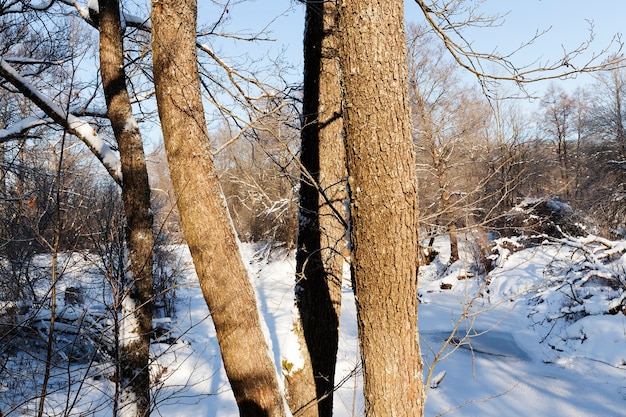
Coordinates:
x,y
567,21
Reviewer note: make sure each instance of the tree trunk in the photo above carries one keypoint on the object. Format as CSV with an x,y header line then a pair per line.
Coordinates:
x,y
383,204
204,217
454,243
137,316
321,234
620,132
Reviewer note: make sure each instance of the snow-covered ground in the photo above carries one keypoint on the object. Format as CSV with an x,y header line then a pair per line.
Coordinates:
x,y
505,358
508,360
532,338
273,277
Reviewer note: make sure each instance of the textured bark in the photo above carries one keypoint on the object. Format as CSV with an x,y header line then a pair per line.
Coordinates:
x,y
321,234
134,355
620,132
383,204
204,217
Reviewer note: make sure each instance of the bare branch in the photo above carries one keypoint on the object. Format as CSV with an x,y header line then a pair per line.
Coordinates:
x,y
71,123
440,16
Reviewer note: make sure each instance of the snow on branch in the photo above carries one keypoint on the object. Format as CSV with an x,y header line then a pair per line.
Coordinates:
x,y
89,13
29,60
73,124
17,130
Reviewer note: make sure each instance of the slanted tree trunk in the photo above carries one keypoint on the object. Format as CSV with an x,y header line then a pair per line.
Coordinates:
x,y
321,234
383,204
137,314
204,217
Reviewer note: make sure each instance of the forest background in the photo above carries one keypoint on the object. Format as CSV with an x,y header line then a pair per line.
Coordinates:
x,y
479,157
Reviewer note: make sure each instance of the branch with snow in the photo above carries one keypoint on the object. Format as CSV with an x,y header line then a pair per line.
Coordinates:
x,y
90,14
586,278
18,130
73,124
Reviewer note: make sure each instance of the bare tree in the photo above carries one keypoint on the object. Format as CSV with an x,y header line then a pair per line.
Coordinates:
x,y
321,233
603,176
383,204
73,124
204,217
609,108
448,19
258,173
449,123
558,124
27,59
137,312
505,158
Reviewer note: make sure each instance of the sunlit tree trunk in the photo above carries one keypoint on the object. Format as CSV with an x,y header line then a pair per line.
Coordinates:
x,y
383,204
137,311
204,217
321,234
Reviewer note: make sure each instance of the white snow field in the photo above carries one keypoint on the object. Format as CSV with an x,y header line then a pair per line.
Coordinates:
x,y
504,359
531,338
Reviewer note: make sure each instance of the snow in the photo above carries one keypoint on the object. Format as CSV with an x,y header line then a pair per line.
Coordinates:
x,y
515,346
292,358
509,359
88,134
131,125
17,129
94,6
496,365
129,326
128,407
197,364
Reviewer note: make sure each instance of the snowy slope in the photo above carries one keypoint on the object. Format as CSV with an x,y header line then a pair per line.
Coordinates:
x,y
198,363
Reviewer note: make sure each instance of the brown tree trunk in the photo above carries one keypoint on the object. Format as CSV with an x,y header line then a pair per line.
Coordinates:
x,y
454,243
321,234
204,217
383,204
135,347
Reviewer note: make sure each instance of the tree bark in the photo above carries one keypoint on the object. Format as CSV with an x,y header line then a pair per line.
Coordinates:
x,y
135,347
321,234
383,204
454,242
204,217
